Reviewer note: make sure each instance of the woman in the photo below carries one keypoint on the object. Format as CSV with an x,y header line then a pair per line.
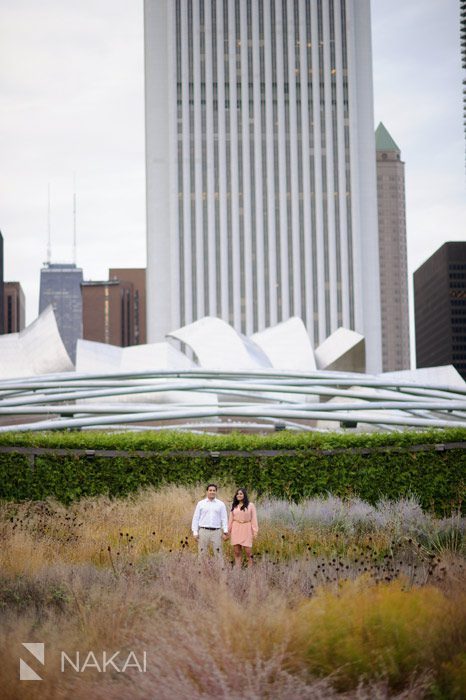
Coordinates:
x,y
242,526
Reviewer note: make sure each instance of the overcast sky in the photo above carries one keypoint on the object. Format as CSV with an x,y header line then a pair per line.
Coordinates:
x,y
72,101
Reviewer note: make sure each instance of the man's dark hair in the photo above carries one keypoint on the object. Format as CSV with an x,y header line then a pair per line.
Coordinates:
x,y
244,504
209,485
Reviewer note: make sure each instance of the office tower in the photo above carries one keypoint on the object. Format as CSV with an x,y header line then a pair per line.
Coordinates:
x,y
260,160
463,53
114,309
60,285
137,278
14,307
393,259
2,292
440,308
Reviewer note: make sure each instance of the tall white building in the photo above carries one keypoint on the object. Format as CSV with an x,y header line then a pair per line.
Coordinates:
x,y
261,184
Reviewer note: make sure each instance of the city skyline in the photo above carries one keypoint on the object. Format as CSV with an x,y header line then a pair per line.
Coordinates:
x,y
88,118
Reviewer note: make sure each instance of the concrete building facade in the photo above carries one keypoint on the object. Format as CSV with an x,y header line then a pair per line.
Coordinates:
x,y
106,312
14,307
260,159
440,308
137,278
60,286
114,309
393,256
2,317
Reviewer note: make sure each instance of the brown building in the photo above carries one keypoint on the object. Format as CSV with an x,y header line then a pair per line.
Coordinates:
x,y
392,253
114,309
137,278
2,305
440,308
14,307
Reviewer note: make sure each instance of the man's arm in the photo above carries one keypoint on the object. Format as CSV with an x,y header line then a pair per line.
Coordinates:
x,y
195,522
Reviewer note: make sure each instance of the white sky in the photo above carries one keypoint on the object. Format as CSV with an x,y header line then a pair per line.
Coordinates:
x,y
72,101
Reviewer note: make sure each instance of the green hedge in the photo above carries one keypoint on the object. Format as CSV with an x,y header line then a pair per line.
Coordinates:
x,y
437,478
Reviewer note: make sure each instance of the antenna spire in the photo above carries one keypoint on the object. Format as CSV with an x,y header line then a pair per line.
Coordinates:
x,y
49,228
74,218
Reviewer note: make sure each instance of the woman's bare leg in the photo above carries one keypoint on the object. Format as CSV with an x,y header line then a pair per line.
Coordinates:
x,y
238,555
248,551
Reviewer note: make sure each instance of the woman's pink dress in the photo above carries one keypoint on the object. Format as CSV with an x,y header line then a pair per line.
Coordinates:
x,y
242,525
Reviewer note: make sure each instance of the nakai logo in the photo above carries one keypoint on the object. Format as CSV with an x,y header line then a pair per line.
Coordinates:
x,y
37,649
101,662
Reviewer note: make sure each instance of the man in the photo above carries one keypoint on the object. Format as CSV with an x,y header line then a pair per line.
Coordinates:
x,y
209,519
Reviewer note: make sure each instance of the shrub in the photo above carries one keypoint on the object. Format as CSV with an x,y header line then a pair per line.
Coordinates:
x,y
305,465
369,632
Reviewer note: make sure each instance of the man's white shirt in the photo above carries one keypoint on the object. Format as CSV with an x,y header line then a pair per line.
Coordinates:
x,y
210,513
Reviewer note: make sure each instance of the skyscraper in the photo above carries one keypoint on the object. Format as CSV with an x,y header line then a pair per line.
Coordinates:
x,y
136,276
2,317
108,312
60,285
14,307
114,310
440,308
393,258
261,187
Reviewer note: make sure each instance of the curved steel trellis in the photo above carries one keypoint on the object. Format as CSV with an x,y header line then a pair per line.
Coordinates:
x,y
205,400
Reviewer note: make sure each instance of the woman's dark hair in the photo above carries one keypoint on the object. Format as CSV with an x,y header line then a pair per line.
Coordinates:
x,y
244,504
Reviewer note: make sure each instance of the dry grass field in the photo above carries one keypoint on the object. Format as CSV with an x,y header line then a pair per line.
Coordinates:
x,y
345,600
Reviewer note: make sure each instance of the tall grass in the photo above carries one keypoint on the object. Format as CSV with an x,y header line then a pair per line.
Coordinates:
x,y
210,633
344,600
34,534
368,631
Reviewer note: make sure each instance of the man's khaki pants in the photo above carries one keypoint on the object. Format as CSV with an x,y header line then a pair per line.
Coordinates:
x,y
213,537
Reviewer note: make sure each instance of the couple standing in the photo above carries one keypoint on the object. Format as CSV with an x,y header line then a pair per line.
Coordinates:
x,y
210,519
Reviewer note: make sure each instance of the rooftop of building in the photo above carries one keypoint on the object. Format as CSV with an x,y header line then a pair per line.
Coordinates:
x,y
449,252
58,267
383,140
100,283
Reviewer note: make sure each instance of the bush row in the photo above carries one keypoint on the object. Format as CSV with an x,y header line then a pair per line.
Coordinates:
x,y
170,440
436,478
